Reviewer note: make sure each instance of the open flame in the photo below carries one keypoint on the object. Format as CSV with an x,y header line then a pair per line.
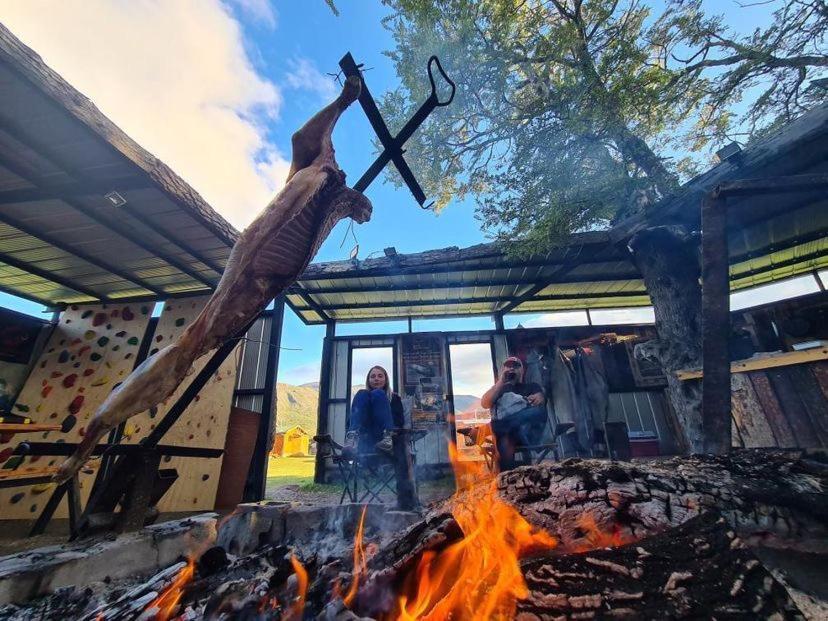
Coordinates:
x,y
298,607
479,576
166,603
360,566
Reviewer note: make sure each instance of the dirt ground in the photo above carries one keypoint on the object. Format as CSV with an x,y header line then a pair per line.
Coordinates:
x,y
291,479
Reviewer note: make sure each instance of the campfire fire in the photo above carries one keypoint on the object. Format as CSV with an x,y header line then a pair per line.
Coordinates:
x,y
166,604
479,576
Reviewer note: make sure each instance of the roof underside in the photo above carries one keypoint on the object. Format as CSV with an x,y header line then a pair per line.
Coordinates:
x,y
771,237
61,240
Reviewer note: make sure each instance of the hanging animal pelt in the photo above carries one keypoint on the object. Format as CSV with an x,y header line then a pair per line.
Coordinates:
x,y
268,257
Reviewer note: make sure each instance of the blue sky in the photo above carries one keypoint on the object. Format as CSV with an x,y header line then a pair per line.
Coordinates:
x,y
222,114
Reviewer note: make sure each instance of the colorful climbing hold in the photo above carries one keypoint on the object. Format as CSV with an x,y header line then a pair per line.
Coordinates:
x,y
55,374
68,423
145,310
70,380
45,391
116,347
63,356
204,477
127,314
99,319
76,404
89,335
6,453
133,340
22,407
84,349
121,334
86,313
95,356
158,338
153,412
17,497
180,322
88,372
101,381
103,341
115,313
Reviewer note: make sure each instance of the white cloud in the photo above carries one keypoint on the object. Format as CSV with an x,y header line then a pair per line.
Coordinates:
x,y
304,75
175,77
259,10
299,374
471,368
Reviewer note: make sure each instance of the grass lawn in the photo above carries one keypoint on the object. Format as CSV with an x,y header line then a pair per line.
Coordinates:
x,y
289,471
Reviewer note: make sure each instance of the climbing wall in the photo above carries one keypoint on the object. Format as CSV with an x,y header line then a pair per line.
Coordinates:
x,y
203,424
90,352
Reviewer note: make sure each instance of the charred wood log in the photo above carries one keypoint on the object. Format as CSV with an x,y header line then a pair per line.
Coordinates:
x,y
696,570
769,497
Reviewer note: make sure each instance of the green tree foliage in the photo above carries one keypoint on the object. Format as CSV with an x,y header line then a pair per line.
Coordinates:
x,y
570,111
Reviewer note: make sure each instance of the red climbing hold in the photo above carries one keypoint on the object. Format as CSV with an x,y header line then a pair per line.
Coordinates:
x,y
99,319
55,374
127,314
88,372
45,392
70,380
76,404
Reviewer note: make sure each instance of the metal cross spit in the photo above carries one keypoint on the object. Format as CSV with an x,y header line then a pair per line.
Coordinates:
x,y
392,145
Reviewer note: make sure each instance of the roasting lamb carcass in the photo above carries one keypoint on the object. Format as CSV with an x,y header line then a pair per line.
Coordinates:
x,y
268,257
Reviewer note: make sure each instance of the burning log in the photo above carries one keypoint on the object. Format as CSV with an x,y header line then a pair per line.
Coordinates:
x,y
768,497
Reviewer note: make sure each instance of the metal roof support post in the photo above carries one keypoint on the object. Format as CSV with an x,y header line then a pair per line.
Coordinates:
x,y
324,390
589,317
498,322
716,430
257,476
410,325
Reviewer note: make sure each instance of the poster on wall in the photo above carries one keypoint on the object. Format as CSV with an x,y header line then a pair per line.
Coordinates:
x,y
424,378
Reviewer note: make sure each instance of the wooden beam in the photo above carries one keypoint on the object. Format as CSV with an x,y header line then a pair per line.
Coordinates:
x,y
716,429
769,361
257,476
69,190
57,243
51,277
324,390
82,186
772,185
129,233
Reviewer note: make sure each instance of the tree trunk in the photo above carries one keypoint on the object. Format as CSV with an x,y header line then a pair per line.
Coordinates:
x,y
668,260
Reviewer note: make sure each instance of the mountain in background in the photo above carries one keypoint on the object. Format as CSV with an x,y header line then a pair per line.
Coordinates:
x,y
298,405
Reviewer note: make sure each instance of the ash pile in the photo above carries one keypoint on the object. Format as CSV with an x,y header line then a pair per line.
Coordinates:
x,y
683,538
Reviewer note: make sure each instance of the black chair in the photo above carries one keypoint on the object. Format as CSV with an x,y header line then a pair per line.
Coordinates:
x,y
372,472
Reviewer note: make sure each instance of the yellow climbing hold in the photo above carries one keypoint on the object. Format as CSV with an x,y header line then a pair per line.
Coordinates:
x,y
101,381
42,487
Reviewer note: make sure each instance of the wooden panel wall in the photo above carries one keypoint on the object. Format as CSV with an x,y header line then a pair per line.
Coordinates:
x,y
203,424
90,351
784,406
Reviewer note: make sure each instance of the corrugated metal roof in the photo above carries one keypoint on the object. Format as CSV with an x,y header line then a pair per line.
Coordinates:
x,y
61,240
771,237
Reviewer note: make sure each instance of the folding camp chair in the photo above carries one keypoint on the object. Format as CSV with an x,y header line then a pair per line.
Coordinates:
x,y
372,472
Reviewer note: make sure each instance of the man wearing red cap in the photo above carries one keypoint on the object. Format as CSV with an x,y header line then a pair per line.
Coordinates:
x,y
518,411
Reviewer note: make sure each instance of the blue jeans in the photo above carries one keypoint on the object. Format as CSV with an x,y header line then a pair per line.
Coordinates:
x,y
522,428
370,416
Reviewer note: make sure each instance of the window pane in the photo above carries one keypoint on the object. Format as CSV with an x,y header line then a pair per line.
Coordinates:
x,y
547,320
764,294
619,316
471,376
363,359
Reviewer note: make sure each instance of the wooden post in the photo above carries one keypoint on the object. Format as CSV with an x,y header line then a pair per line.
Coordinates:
x,y
715,326
324,389
257,476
